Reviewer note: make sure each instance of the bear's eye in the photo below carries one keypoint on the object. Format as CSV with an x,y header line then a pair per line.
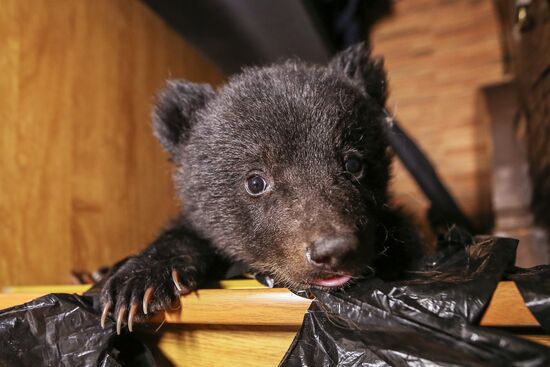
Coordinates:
x,y
353,165
256,185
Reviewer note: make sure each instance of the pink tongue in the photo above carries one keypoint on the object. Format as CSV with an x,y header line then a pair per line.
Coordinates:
x,y
332,282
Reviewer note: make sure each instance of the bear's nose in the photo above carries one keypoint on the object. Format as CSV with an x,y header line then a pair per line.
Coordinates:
x,y
331,252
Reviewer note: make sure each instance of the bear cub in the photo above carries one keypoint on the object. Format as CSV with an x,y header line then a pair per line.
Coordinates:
x,y
286,169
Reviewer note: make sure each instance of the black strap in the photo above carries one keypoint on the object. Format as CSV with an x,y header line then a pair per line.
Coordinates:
x,y
444,208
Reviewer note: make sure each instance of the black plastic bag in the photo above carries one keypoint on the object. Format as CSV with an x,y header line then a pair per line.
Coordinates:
x,y
427,320
534,286
54,330
64,330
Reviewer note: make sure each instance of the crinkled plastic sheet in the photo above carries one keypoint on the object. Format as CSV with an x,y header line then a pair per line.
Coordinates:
x,y
64,330
427,320
53,330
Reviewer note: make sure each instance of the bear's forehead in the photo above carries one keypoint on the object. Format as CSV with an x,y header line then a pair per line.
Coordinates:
x,y
297,96
289,85
282,114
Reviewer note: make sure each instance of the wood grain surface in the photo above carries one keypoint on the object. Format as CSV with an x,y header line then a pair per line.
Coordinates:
x,y
437,54
220,345
82,181
277,306
507,309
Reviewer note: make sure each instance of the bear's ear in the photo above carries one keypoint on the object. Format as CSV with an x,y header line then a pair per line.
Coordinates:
x,y
174,111
358,65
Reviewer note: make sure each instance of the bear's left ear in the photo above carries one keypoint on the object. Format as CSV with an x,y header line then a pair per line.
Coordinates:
x,y
175,110
358,65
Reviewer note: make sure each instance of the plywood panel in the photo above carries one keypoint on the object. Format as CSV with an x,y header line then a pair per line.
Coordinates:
x,y
438,54
82,181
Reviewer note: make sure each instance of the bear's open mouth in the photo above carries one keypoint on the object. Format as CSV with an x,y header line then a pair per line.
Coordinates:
x,y
332,282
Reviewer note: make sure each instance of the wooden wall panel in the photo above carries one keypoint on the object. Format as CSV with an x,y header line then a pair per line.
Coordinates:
x,y
438,54
82,181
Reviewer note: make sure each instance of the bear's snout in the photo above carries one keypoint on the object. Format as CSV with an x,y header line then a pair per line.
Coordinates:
x,y
332,252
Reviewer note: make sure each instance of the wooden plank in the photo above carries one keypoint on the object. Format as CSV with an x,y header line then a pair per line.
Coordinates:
x,y
262,306
275,306
507,308
220,345
278,306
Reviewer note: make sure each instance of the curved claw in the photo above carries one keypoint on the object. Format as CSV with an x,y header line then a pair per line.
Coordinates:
x,y
147,299
176,280
131,315
105,313
119,319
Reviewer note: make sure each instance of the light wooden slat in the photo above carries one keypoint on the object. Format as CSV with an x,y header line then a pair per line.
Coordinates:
x,y
275,306
507,308
262,306
222,345
278,306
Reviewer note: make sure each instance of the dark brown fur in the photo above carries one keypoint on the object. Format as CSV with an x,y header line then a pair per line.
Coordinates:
x,y
296,125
